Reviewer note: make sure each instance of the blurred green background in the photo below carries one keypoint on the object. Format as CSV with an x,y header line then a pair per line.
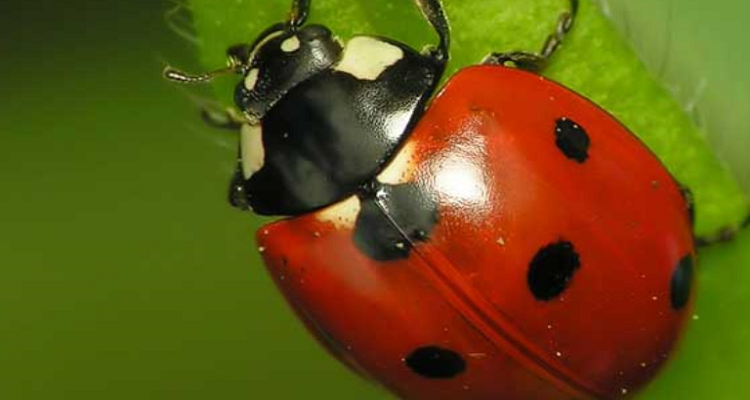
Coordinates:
x,y
699,50
124,274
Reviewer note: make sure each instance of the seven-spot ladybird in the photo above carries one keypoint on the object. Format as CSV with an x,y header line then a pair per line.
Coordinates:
x,y
507,239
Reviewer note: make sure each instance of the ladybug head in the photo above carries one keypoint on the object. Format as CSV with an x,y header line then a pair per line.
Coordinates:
x,y
280,58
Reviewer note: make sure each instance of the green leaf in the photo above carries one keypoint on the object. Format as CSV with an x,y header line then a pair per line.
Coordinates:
x,y
597,63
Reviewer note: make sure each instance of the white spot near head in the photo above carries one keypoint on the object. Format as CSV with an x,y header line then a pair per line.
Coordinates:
x,y
290,45
252,153
401,169
343,215
251,79
366,57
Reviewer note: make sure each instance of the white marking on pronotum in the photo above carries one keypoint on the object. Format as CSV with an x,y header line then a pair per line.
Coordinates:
x,y
290,45
343,215
401,169
251,149
366,57
251,79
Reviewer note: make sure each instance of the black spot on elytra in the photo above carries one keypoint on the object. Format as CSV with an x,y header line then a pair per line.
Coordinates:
x,y
552,269
407,206
572,140
433,362
687,194
682,283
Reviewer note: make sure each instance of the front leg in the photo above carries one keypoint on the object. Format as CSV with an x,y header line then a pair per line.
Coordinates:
x,y
228,118
536,62
723,236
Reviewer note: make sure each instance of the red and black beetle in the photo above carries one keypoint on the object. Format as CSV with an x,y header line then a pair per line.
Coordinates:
x,y
503,239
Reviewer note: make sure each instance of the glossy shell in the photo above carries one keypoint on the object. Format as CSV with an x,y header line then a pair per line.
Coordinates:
x,y
559,266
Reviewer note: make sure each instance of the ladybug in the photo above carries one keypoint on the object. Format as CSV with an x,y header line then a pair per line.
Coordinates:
x,y
503,239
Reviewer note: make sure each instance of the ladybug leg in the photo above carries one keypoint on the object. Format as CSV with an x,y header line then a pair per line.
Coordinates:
x,y
525,61
228,118
687,194
536,62
434,14
238,54
299,13
723,236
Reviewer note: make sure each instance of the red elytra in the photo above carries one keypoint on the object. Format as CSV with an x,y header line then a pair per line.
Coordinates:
x,y
460,317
